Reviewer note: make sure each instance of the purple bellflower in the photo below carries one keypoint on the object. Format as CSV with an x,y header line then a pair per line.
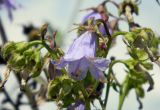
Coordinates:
x,y
10,5
79,105
81,58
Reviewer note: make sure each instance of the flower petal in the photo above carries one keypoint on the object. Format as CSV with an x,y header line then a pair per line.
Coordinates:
x,y
101,63
92,14
85,45
96,73
78,69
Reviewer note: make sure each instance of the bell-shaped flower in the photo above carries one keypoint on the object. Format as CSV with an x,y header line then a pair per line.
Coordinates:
x,y
81,58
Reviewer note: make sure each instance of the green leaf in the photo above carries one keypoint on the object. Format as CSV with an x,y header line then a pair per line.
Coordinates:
x,y
60,87
53,88
88,80
124,92
131,63
68,100
140,92
130,37
114,85
147,65
17,62
142,55
20,47
137,53
67,86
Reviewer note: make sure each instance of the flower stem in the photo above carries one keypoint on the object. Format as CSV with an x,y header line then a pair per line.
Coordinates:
x,y
109,82
107,90
42,42
106,53
85,94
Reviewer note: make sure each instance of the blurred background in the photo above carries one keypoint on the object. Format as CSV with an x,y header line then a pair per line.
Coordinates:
x,y
60,15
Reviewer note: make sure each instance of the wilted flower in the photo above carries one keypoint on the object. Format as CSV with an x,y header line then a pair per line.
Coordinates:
x,y
79,105
10,5
53,71
81,57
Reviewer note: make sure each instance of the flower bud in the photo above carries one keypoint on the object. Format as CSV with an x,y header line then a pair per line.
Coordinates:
x,y
7,49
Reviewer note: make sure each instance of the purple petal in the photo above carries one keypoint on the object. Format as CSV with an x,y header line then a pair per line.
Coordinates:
x,y
97,66
10,4
96,73
78,69
83,46
79,105
61,64
93,14
101,63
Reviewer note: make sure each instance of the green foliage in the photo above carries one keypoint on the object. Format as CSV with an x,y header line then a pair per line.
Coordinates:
x,y
63,89
143,49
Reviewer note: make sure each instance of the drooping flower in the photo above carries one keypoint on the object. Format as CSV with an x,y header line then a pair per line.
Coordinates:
x,y
92,14
81,58
96,15
9,5
99,13
79,105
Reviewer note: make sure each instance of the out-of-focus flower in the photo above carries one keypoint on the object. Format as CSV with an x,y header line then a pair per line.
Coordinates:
x,y
9,5
96,16
81,57
98,13
79,105
92,14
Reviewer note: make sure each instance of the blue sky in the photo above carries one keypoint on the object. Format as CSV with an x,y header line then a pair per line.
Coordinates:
x,y
63,13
